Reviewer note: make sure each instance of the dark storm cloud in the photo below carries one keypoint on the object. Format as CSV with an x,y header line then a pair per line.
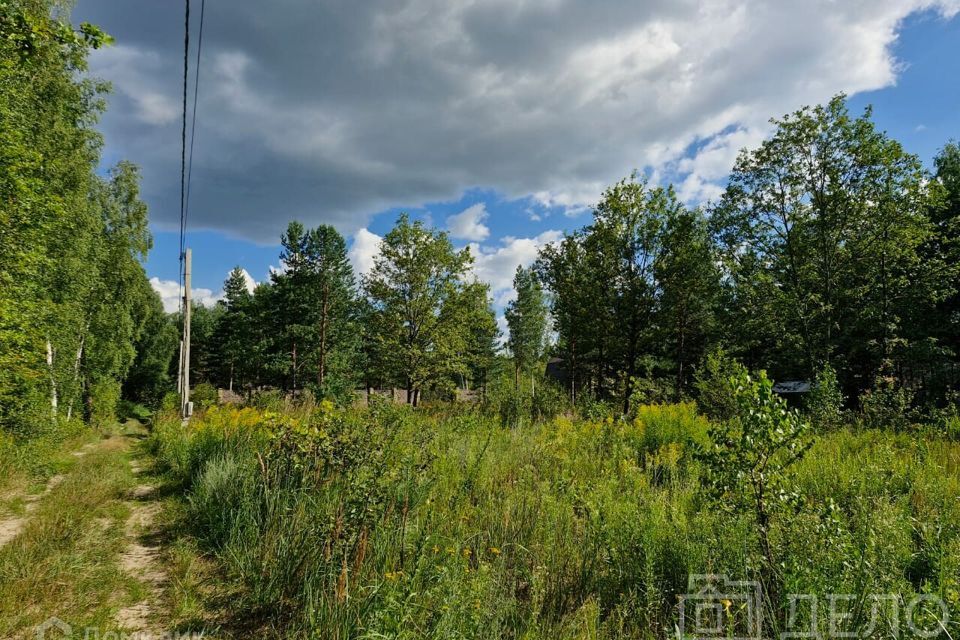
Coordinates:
x,y
330,111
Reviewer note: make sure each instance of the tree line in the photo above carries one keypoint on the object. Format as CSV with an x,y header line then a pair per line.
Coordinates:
x,y
832,252
417,321
78,317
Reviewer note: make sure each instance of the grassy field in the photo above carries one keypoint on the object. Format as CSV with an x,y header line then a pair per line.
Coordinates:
x,y
444,524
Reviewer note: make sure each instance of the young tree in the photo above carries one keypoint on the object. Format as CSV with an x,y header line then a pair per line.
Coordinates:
x,y
747,462
332,293
292,304
482,334
559,268
527,320
316,294
689,284
234,330
414,289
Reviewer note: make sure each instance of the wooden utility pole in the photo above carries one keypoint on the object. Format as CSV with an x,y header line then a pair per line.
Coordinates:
x,y
185,404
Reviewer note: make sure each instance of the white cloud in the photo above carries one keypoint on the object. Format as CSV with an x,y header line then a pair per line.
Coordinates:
x,y
366,246
497,266
248,280
468,224
422,100
169,291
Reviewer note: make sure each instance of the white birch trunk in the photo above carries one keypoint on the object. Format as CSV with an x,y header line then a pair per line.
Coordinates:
x,y
53,379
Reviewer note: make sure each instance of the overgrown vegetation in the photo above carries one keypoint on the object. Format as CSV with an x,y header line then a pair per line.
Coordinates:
x,y
576,506
395,523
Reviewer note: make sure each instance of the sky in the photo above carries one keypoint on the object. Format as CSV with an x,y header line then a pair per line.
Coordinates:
x,y
500,121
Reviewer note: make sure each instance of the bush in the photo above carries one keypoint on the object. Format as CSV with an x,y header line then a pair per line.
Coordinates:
x,y
517,407
824,403
104,401
714,382
204,396
886,405
656,426
131,410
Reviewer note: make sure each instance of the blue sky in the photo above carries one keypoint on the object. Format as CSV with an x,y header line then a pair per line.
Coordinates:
x,y
500,121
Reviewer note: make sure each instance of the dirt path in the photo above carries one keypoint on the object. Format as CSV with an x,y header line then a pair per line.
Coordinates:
x,y
11,527
104,512
142,560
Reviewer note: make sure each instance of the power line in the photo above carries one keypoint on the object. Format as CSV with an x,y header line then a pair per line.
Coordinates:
x,y
193,123
183,144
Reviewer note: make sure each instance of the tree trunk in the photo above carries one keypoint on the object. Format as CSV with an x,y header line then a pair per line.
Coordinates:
x,y
294,366
76,374
53,380
322,365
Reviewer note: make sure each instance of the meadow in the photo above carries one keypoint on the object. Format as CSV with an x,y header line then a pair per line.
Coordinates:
x,y
443,523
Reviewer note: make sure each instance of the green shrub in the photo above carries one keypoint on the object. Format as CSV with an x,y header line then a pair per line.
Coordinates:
x,y
886,405
523,406
104,402
824,403
204,396
716,390
131,410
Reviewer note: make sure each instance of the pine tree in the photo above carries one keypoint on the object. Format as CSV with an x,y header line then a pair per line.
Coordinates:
x,y
527,320
234,330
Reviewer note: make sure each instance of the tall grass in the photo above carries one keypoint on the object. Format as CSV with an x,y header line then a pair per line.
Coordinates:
x,y
391,523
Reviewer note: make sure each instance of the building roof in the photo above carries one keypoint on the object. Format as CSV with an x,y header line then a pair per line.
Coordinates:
x,y
792,386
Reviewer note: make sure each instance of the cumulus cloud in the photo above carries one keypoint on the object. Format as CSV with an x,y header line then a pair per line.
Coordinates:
x,y
497,265
365,247
169,291
468,224
329,115
248,280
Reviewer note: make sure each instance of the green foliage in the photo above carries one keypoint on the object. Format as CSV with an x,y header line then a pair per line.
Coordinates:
x,y
520,406
104,403
751,452
312,304
74,300
127,410
425,313
527,319
887,404
334,521
824,226
716,390
824,403
203,396
747,462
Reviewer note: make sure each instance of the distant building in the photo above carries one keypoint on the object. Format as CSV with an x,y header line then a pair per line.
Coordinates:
x,y
557,370
789,387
